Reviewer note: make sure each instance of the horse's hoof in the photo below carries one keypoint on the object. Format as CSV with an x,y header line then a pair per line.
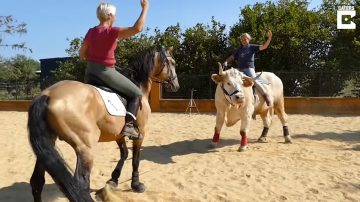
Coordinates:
x,y
288,140
112,183
242,148
138,187
262,140
108,193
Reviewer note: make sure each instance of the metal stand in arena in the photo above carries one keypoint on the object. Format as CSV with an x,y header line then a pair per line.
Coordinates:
x,y
192,103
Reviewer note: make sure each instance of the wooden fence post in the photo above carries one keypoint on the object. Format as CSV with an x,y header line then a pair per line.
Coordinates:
x,y
155,96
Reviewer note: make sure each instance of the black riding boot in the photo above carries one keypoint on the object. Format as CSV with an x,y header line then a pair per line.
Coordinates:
x,y
131,129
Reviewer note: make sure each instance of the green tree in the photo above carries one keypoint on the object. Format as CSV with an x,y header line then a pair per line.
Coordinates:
x,y
74,68
344,53
171,37
345,50
19,75
304,40
202,47
300,42
129,48
19,68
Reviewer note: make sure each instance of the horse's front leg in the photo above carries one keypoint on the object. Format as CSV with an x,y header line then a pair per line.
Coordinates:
x,y
123,156
136,185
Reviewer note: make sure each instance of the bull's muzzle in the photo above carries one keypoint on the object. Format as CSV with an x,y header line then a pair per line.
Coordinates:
x,y
239,99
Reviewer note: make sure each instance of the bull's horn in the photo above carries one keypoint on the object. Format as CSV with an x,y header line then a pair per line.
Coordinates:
x,y
221,71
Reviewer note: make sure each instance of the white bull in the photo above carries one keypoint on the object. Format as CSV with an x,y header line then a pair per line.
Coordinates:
x,y
234,101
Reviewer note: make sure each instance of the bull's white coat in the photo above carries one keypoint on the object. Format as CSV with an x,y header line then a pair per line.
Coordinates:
x,y
234,101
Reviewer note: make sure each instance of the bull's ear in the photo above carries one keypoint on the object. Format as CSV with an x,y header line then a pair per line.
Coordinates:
x,y
248,82
217,78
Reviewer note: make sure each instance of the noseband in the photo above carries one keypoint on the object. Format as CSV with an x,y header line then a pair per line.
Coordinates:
x,y
228,94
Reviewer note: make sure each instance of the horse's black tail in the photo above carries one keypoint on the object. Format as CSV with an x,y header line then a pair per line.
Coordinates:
x,y
42,141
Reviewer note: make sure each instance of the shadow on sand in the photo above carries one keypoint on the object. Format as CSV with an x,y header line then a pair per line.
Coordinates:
x,y
21,191
352,137
163,154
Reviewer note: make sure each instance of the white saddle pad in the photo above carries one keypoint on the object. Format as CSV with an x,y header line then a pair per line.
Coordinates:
x,y
112,102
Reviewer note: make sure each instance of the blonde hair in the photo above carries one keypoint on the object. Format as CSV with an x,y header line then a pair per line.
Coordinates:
x,y
104,10
245,35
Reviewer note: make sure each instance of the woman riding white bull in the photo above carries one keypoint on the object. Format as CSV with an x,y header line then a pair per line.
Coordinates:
x,y
244,57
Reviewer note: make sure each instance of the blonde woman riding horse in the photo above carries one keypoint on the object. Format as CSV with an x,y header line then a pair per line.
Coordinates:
x,y
75,113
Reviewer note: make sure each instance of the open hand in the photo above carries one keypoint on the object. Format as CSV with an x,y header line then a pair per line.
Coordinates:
x,y
144,3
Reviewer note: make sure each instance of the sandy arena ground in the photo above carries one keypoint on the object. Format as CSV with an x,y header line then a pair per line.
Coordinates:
x,y
323,163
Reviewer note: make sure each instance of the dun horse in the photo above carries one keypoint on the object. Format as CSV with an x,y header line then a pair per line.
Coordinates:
x,y
75,113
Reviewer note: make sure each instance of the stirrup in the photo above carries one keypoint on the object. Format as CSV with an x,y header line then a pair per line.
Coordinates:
x,y
132,131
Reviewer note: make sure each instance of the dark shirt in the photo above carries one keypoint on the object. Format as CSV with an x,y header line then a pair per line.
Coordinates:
x,y
244,56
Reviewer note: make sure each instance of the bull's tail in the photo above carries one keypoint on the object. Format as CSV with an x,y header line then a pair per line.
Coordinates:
x,y
42,141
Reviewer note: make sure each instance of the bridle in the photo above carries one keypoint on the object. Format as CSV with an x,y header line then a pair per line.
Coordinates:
x,y
171,76
227,94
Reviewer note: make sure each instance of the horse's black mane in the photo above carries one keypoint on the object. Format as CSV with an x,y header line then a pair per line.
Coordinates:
x,y
142,65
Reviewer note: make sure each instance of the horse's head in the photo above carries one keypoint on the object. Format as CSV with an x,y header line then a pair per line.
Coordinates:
x,y
233,84
164,70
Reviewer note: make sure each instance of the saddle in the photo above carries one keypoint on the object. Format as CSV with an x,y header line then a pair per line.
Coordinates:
x,y
115,101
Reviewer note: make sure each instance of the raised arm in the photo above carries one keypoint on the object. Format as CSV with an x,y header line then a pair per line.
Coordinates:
x,y
127,32
267,43
229,59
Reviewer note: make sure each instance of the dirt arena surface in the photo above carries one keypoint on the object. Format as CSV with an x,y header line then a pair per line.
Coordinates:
x,y
322,164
